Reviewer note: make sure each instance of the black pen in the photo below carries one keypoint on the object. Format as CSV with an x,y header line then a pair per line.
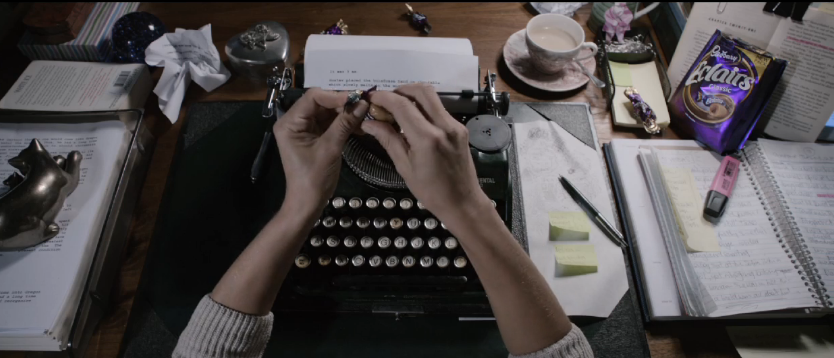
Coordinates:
x,y
589,209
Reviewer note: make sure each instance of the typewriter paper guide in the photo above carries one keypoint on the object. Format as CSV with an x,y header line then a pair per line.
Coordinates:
x,y
545,151
360,62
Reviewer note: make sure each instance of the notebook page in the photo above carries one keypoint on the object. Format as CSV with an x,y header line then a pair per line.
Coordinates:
x,y
752,273
35,283
805,174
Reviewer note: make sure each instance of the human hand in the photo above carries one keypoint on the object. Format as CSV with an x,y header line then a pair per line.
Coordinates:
x,y
310,138
432,155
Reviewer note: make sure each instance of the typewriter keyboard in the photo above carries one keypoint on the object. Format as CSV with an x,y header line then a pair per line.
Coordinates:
x,y
382,243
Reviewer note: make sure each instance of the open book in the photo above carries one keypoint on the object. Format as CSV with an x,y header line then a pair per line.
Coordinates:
x,y
40,287
776,236
804,99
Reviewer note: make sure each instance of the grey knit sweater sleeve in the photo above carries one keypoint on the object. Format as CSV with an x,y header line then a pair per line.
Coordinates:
x,y
220,332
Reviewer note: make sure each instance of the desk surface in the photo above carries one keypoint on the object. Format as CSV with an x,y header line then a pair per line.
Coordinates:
x,y
487,25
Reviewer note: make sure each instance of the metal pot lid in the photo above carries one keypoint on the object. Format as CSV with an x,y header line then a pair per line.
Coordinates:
x,y
266,42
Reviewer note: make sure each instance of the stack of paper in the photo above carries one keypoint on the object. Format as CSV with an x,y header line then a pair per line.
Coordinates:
x,y
349,62
41,287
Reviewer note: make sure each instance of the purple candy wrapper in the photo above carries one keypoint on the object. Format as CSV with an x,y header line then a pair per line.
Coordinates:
x,y
725,92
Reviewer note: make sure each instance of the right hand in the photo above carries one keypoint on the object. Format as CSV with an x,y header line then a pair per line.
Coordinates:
x,y
432,155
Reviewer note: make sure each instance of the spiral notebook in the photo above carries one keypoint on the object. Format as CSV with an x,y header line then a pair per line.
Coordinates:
x,y
776,236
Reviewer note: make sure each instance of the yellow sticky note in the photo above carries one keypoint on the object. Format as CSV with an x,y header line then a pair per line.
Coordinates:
x,y
572,260
698,234
569,226
827,7
621,73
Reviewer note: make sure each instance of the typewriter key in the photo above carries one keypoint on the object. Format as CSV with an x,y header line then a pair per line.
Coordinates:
x,y
355,203
384,242
392,261
443,225
396,223
358,260
329,222
408,261
316,241
430,223
420,205
363,222
406,203
350,241
451,243
380,223
341,260
302,261
345,222
416,242
442,262
389,203
372,203
316,224
494,204
426,261
375,261
434,243
324,260
332,241
413,223
338,202
400,242
366,242
460,262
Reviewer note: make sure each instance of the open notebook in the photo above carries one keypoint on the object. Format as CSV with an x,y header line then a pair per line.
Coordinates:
x,y
776,235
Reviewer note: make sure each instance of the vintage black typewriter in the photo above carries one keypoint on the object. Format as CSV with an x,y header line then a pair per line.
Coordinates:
x,y
375,247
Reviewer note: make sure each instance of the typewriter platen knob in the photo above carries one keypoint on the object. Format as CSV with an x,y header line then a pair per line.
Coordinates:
x,y
358,260
350,241
413,223
406,203
430,223
375,261
316,241
442,262
389,203
426,261
355,203
416,243
451,243
400,242
324,260
372,203
363,222
341,260
338,202
434,243
392,261
302,261
384,242
460,262
488,133
366,242
408,261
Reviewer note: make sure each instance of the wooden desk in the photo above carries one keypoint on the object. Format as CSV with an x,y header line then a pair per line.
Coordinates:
x,y
487,25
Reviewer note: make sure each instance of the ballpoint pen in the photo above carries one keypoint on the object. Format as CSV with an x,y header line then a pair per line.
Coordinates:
x,y
595,215
271,110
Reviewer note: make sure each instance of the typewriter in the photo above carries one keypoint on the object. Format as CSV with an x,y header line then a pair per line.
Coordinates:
x,y
375,247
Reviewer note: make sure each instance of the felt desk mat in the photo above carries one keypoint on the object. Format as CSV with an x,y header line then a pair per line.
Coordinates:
x,y
208,216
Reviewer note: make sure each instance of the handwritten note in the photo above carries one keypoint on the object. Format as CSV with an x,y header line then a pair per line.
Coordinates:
x,y
782,341
697,233
569,226
572,260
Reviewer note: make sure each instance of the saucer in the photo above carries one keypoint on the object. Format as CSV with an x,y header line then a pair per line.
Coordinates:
x,y
569,78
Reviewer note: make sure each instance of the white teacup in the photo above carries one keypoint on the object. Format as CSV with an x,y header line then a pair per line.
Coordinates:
x,y
555,40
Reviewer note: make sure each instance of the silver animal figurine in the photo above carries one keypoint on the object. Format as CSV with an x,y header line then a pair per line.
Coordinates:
x,y
29,208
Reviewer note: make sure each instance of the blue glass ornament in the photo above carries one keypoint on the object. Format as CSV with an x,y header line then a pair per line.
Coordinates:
x,y
132,34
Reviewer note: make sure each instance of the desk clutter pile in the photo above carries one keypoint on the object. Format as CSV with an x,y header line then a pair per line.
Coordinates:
x,y
735,223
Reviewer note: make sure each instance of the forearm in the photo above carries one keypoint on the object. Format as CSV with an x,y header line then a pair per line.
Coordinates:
x,y
251,284
528,314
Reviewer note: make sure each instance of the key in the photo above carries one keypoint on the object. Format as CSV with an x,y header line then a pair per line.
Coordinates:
x,y
396,223
375,261
345,222
408,261
434,243
363,222
442,262
416,243
380,223
338,202
329,222
355,203
384,242
372,203
400,242
413,223
302,261
392,261
317,223
341,260
420,205
332,241
324,260
316,241
451,243
366,242
406,203
430,223
426,261
350,241
460,262
358,260
389,203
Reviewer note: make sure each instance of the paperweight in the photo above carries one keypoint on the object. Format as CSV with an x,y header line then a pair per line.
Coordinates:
x,y
133,33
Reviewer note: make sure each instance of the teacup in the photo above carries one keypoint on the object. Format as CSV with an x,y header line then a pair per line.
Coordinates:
x,y
555,40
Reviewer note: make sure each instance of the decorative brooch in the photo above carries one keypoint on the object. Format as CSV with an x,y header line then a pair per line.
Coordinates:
x,y
257,36
418,20
339,28
375,113
643,110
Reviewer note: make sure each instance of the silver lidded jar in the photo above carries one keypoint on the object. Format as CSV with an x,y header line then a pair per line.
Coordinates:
x,y
255,52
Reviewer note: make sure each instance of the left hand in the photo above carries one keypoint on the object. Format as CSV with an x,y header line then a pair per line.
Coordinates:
x,y
310,138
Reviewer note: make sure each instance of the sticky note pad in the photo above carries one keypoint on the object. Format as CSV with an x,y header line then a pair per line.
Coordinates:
x,y
572,260
569,226
697,233
621,73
